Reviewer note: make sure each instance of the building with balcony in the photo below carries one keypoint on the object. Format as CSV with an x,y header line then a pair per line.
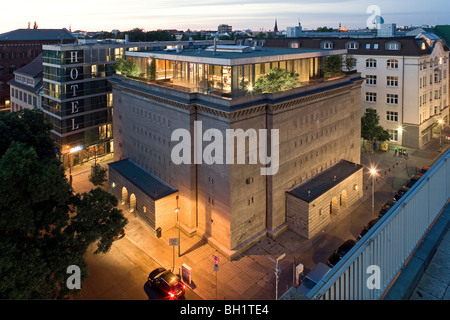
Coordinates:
x,y
232,205
407,80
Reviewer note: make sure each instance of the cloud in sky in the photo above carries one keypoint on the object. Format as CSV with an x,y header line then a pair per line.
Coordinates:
x,y
208,14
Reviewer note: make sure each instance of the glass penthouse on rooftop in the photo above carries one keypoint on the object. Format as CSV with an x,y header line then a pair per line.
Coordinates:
x,y
229,70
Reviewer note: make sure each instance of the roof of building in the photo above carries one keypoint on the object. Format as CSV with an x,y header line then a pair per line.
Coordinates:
x,y
443,31
325,180
37,35
34,69
238,56
409,46
151,185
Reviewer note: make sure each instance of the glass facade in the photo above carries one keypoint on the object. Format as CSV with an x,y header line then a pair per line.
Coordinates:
x,y
77,97
225,80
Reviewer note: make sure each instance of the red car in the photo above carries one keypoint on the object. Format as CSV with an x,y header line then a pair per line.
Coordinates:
x,y
423,170
167,282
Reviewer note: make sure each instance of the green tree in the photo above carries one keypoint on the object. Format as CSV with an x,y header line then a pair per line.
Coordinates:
x,y
127,67
324,29
371,131
152,69
41,220
349,62
276,80
98,175
332,66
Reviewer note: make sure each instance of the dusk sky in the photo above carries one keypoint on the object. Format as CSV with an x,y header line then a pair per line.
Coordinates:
x,y
149,15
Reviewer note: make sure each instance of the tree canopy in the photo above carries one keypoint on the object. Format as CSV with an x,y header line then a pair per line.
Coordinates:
x,y
44,226
332,66
370,129
276,80
127,67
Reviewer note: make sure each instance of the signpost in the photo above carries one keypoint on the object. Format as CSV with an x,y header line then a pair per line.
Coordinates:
x,y
216,269
173,242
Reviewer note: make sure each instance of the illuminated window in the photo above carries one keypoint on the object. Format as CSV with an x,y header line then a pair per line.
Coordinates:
x,y
392,64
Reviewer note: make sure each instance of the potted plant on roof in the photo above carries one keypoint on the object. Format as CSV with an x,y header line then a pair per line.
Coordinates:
x,y
332,67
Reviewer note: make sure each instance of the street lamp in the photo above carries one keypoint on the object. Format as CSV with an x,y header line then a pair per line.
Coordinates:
x,y
440,122
373,172
277,273
177,210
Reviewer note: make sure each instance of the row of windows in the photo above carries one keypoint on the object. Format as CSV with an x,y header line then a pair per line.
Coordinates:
x,y
19,55
150,116
433,62
390,64
353,45
24,96
390,98
391,81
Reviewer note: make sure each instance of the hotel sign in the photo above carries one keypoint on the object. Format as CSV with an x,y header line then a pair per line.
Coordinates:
x,y
73,90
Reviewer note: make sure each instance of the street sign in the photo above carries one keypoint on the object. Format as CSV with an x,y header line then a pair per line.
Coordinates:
x,y
173,242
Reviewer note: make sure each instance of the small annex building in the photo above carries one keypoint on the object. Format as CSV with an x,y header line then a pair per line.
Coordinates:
x,y
311,205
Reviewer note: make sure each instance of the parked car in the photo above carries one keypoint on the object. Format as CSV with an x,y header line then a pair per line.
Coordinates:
x,y
367,228
389,204
413,180
401,192
340,252
382,212
313,277
167,282
423,170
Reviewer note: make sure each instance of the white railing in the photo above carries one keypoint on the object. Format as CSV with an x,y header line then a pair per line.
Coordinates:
x,y
390,242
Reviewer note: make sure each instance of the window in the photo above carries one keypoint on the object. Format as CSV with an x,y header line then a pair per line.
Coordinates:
x,y
352,45
392,45
367,46
371,63
371,80
375,46
294,44
392,98
392,64
327,45
392,81
371,97
394,135
392,116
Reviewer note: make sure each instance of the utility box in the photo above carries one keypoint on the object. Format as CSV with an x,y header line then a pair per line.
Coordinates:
x,y
186,273
298,273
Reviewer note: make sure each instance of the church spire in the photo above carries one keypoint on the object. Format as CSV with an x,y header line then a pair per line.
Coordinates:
x,y
275,29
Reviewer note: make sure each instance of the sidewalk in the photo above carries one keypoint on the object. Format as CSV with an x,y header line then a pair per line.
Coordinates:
x,y
251,275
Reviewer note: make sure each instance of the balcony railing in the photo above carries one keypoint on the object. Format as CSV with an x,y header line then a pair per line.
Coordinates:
x,y
389,244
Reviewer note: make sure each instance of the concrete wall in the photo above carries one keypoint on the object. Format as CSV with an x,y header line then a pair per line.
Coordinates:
x,y
310,218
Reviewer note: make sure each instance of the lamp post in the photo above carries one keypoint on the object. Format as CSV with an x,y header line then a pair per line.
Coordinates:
x,y
177,210
440,122
277,273
373,172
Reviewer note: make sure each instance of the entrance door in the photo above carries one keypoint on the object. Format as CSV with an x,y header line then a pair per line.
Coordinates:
x,y
124,196
132,203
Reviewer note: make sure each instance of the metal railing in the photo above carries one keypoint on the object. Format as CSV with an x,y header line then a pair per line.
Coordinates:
x,y
388,244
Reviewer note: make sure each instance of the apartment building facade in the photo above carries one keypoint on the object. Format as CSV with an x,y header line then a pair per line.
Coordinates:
x,y
406,82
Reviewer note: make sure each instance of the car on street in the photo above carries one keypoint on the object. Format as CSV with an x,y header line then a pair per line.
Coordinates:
x,y
367,228
423,170
167,282
413,180
313,277
340,252
401,192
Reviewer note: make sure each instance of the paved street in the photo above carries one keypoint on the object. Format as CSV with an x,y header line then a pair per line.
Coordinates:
x,y
121,274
